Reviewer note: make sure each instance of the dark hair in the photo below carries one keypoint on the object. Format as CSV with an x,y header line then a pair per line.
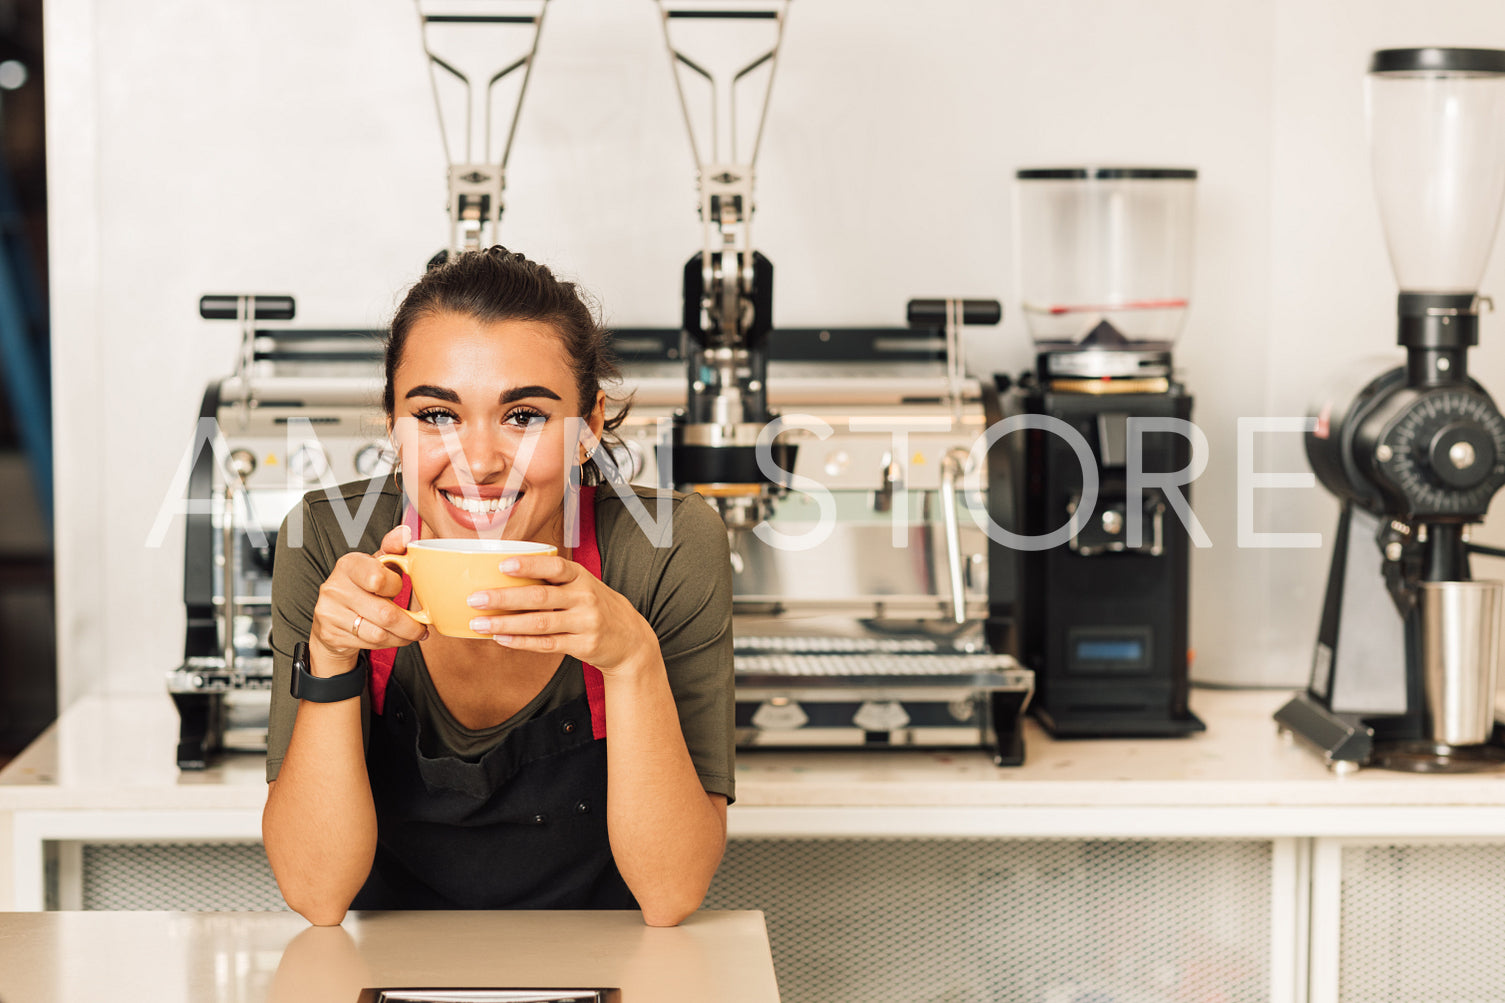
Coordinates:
x,y
496,285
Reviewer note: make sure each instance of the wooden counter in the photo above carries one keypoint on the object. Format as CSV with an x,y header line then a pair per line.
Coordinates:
x,y
163,957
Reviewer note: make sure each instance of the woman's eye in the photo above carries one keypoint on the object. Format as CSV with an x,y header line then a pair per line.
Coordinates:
x,y
435,416
524,418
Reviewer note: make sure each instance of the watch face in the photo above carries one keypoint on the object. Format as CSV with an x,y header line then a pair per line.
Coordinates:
x,y
300,669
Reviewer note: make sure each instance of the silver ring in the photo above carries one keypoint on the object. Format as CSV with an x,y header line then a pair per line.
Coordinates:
x,y
355,628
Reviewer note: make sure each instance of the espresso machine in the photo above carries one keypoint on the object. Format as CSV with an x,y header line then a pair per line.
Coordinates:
x,y
860,602
1092,451
1405,666
296,414
836,457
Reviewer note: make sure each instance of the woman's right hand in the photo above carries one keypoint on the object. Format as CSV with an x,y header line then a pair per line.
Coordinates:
x,y
355,610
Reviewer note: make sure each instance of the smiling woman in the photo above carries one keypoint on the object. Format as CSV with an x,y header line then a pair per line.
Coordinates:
x,y
420,770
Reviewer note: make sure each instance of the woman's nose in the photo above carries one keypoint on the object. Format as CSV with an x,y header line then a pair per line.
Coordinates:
x,y
486,454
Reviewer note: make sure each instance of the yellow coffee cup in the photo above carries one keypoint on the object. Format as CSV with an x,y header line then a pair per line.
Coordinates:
x,y
446,572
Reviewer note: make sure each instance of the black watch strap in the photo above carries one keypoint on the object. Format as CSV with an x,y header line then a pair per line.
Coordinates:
x,y
325,689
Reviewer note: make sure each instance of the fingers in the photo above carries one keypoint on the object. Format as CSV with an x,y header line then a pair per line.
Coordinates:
x,y
354,608
536,625
344,622
518,597
544,567
368,574
529,642
584,618
396,541
385,625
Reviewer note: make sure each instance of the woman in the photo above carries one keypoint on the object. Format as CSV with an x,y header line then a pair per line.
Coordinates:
x,y
473,773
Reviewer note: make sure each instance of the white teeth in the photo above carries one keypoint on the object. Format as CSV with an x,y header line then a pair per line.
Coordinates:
x,y
480,506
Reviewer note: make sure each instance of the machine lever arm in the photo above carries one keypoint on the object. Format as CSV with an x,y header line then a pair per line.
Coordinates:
x,y
951,314
247,309
952,466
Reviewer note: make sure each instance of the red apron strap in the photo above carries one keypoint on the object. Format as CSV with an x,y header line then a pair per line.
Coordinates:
x,y
588,556
382,658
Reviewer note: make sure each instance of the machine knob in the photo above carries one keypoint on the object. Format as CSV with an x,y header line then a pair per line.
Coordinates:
x,y
242,463
1461,454
779,714
308,462
375,459
881,715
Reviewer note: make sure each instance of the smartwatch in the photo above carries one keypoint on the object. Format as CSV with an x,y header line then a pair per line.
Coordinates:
x,y
325,689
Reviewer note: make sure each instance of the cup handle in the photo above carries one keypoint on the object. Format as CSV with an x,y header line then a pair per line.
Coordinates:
x,y
399,562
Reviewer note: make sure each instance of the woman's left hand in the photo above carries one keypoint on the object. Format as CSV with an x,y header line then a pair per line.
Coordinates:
x,y
573,612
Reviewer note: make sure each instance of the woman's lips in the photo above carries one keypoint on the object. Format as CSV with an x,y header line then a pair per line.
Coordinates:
x,y
478,512
477,503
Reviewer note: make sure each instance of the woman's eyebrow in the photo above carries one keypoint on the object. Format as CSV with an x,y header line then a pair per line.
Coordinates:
x,y
521,393
440,393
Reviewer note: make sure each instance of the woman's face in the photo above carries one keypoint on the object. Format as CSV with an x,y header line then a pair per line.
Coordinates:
x,y
481,419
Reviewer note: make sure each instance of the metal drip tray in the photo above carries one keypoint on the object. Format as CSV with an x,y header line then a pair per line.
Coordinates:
x,y
209,675
489,996
891,692
1431,757
871,676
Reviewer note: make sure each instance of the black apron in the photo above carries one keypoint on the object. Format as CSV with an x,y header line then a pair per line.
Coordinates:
x,y
524,827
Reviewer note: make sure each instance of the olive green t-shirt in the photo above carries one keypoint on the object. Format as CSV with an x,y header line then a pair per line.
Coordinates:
x,y
682,588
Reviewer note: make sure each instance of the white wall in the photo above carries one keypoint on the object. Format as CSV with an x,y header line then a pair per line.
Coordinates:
x,y
284,146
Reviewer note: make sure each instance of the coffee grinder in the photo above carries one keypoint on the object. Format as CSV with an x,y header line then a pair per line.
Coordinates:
x,y
1089,583
1404,671
728,284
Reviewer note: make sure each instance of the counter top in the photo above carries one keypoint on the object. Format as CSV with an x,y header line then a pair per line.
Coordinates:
x,y
116,753
83,957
